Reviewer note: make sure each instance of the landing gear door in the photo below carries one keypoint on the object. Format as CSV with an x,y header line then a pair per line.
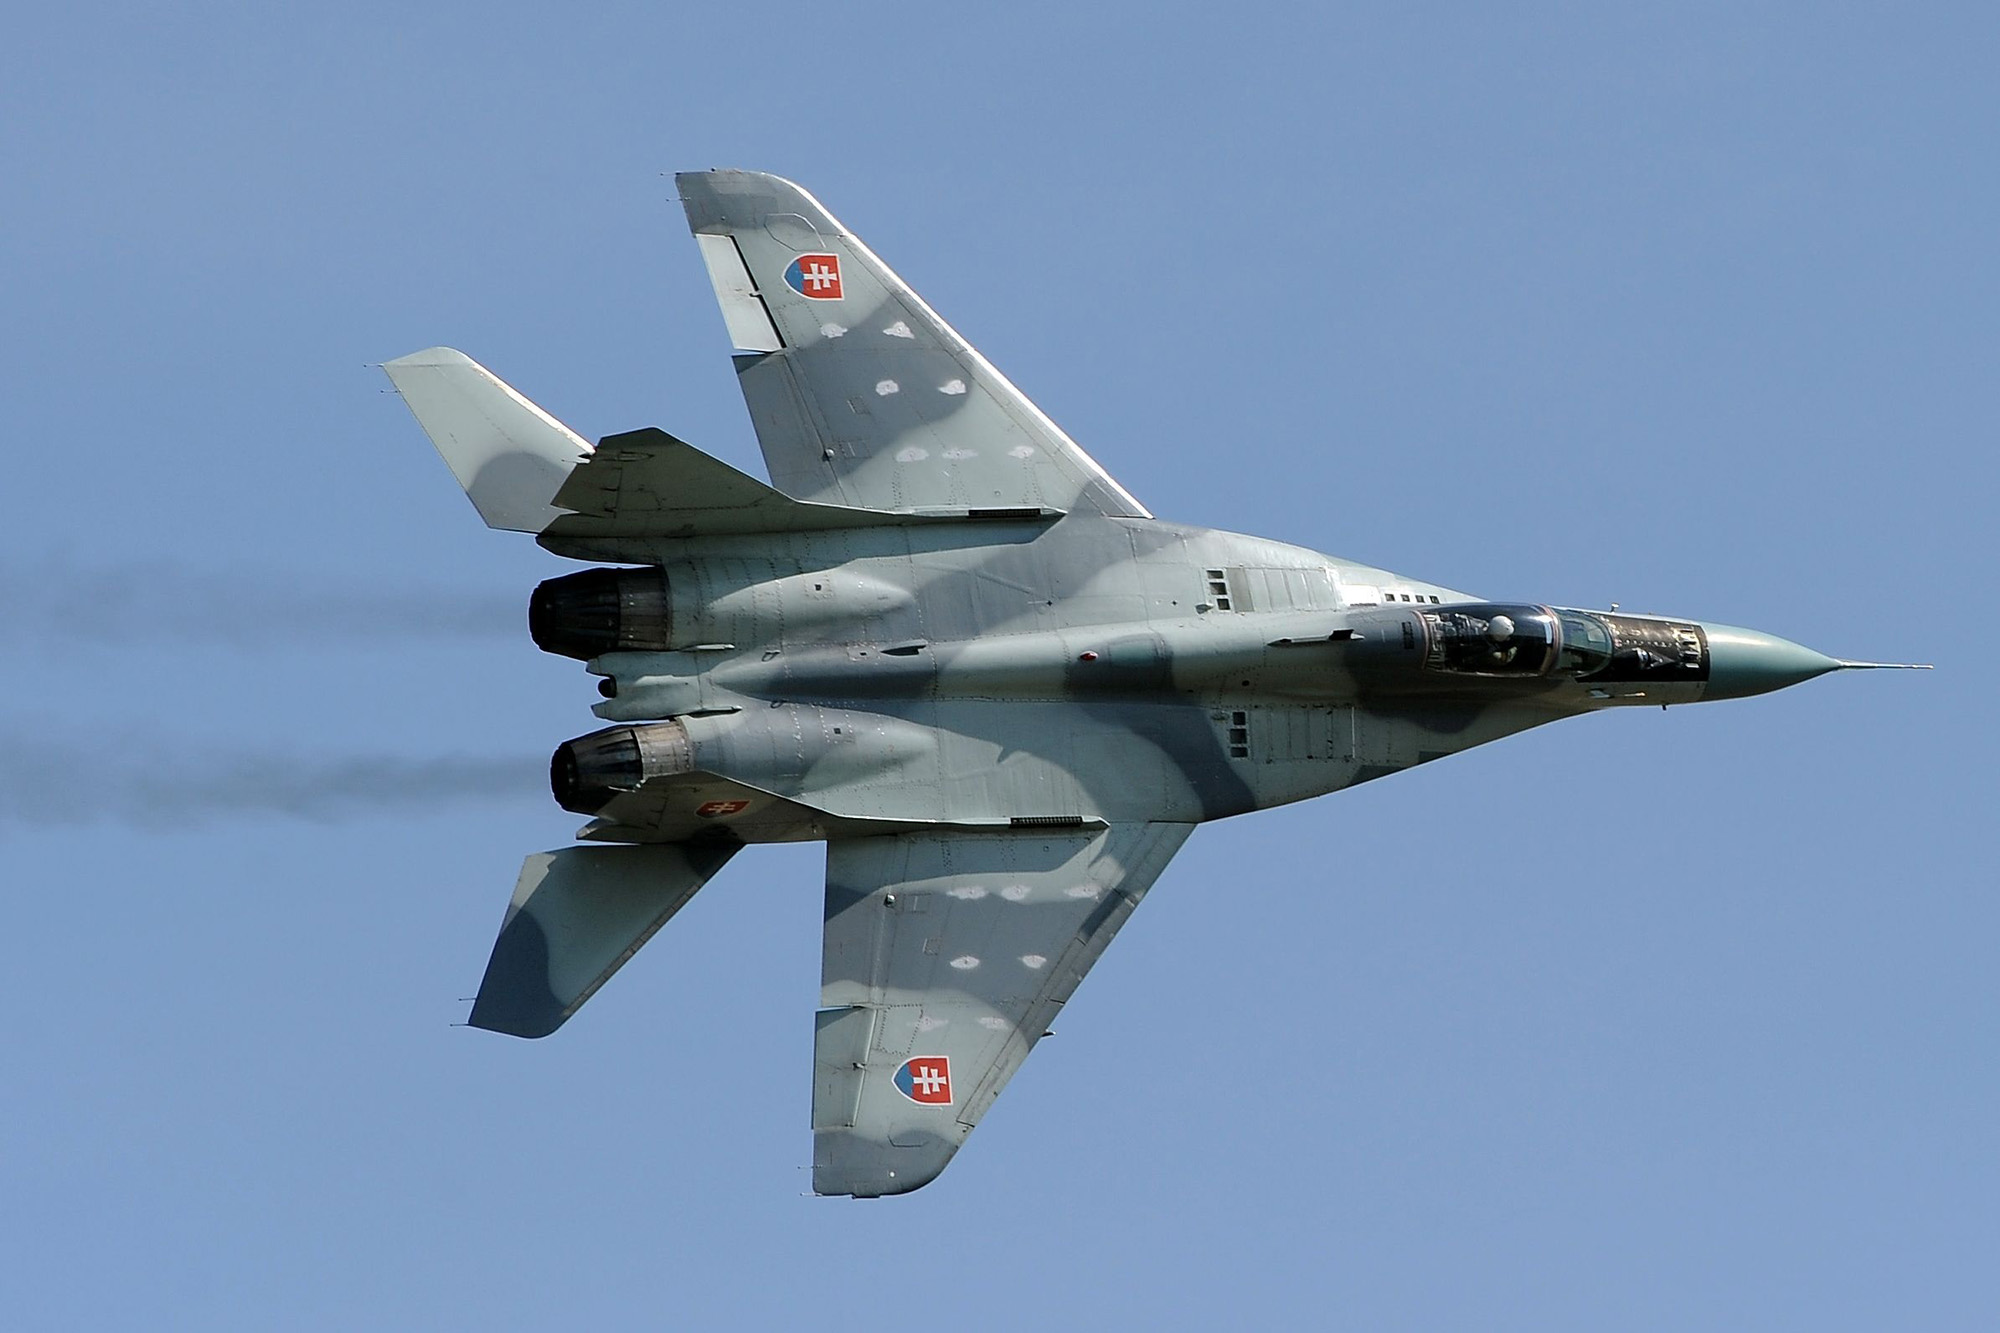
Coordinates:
x,y
1375,744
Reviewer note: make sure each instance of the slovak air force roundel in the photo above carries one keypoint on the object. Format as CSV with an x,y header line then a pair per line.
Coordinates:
x,y
925,1079
815,276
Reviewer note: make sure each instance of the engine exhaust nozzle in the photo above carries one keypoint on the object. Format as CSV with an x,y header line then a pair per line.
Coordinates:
x,y
584,774
602,611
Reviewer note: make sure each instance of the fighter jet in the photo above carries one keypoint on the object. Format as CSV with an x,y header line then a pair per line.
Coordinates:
x,y
946,643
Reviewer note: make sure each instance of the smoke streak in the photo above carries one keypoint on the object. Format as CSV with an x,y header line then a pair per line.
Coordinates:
x,y
59,605
159,788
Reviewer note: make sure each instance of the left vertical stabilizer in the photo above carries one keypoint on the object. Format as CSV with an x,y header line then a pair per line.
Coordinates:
x,y
509,455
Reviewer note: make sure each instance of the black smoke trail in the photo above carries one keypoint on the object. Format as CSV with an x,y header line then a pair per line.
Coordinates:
x,y
60,605
157,786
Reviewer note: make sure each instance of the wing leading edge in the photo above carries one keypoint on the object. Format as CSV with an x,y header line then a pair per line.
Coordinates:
x,y
945,959
859,393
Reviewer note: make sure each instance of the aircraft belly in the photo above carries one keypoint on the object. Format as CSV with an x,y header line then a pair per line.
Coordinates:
x,y
946,642
1104,669
990,762
978,579
986,761
1381,742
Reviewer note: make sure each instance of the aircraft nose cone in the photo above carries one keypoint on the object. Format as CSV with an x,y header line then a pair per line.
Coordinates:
x,y
1743,662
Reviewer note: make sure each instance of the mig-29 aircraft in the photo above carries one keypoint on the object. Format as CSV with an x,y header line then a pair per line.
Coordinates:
x,y
946,643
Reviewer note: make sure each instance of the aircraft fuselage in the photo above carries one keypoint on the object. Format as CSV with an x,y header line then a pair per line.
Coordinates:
x,y
1001,674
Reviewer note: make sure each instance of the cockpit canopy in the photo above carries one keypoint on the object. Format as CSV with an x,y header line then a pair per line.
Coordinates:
x,y
1490,639
1504,639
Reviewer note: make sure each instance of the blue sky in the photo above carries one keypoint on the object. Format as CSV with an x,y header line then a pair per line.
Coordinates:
x,y
1640,1021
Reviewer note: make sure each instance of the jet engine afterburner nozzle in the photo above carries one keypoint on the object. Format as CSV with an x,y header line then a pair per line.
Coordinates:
x,y
587,772
602,611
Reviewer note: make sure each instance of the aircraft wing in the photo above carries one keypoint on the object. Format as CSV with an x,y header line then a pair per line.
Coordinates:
x,y
860,394
946,958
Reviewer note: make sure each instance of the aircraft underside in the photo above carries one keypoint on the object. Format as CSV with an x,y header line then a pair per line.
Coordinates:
x,y
946,642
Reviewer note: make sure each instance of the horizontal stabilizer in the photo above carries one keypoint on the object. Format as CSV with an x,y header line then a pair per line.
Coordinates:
x,y
576,916
509,455
647,484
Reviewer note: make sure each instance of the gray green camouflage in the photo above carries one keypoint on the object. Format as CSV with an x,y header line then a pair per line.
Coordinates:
x,y
945,642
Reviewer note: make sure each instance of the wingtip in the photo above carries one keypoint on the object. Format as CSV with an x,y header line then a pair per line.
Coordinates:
x,y
722,197
431,356
850,1164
